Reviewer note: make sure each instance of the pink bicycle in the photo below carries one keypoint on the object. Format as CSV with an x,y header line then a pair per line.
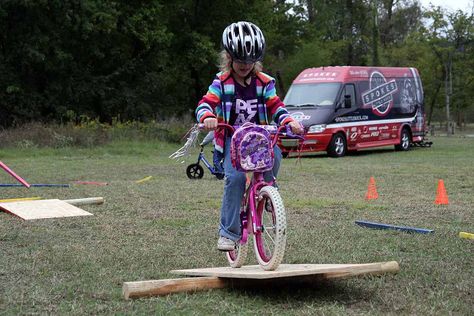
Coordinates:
x,y
262,211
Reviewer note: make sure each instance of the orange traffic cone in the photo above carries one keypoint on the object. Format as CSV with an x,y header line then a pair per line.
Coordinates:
x,y
441,195
371,190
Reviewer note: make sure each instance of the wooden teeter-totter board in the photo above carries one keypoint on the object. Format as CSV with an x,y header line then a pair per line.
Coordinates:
x,y
221,277
289,270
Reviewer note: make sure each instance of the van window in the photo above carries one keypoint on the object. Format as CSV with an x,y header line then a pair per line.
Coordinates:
x,y
312,94
407,95
349,89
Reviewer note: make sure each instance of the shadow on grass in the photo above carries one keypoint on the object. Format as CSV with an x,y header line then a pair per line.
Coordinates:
x,y
378,151
352,153
294,291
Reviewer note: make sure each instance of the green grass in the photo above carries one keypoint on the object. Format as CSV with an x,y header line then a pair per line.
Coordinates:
x,y
78,265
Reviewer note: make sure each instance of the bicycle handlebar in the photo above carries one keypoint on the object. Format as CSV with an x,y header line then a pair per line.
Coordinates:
x,y
272,129
220,125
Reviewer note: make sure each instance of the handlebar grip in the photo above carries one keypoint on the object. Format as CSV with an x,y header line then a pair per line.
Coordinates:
x,y
289,133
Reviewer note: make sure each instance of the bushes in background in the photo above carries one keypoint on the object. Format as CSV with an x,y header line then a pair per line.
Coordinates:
x,y
90,132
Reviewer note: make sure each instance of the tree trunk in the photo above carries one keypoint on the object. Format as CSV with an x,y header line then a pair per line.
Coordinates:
x,y
385,37
310,8
460,120
375,34
281,86
433,102
350,46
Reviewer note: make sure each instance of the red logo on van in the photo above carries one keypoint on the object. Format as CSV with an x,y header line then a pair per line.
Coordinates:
x,y
379,96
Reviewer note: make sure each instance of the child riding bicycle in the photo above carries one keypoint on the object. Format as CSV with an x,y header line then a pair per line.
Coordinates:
x,y
240,93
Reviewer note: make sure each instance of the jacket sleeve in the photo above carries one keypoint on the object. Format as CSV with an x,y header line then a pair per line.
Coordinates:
x,y
275,107
206,107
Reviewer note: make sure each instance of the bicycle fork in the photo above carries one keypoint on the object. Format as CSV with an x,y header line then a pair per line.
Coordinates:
x,y
257,184
248,212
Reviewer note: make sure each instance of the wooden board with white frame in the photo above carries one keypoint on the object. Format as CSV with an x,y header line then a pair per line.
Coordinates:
x,y
41,209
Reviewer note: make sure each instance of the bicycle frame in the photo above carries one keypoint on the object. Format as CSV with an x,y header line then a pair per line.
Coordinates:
x,y
202,158
251,195
250,198
196,171
260,200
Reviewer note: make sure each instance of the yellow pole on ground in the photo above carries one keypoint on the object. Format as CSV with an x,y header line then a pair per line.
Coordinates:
x,y
466,235
144,179
21,199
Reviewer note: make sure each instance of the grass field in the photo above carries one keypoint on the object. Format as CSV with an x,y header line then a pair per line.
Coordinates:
x,y
78,265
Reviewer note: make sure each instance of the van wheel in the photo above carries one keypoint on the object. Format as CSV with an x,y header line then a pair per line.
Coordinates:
x,y
338,146
404,140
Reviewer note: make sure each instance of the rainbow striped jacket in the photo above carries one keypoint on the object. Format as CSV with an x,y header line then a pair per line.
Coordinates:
x,y
218,100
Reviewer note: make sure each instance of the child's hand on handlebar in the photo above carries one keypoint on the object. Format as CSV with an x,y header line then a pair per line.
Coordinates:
x,y
296,127
210,123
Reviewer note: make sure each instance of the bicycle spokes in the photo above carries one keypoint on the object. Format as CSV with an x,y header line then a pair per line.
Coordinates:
x,y
270,238
269,233
268,228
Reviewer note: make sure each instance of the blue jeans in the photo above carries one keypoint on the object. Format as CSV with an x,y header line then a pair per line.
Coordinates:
x,y
217,161
234,189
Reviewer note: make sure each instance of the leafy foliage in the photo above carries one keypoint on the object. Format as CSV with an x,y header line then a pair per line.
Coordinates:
x,y
147,60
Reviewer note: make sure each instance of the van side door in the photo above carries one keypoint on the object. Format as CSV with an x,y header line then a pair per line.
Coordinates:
x,y
349,94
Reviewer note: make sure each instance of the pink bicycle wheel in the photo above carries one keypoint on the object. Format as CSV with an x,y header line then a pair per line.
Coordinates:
x,y
270,238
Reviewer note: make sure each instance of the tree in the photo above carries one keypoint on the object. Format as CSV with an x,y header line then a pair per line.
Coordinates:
x,y
98,58
450,36
148,59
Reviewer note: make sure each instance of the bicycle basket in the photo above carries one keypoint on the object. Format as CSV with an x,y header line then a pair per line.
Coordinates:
x,y
251,149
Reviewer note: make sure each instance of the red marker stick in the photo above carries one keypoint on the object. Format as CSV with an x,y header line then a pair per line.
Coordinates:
x,y
14,175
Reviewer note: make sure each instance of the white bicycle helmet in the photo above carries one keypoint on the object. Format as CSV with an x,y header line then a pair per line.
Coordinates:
x,y
244,41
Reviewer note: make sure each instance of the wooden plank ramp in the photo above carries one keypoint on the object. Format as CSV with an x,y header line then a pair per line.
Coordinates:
x,y
222,277
54,208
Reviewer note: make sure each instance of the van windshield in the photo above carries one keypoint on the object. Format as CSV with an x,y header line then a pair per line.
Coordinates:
x,y
312,94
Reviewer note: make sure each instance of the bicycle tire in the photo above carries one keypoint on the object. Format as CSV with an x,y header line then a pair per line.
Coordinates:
x,y
270,238
237,257
194,171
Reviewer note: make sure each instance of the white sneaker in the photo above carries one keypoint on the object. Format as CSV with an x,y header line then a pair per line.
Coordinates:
x,y
225,244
